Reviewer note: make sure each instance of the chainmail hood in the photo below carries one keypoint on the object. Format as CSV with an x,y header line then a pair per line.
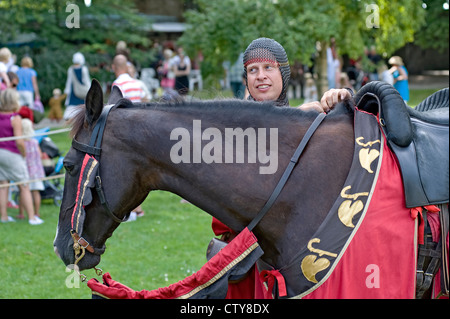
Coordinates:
x,y
269,50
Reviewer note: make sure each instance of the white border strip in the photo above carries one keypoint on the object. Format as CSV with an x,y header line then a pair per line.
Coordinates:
x,y
34,180
13,138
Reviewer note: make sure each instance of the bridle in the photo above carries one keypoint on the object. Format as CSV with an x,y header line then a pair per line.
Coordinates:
x,y
93,152
94,149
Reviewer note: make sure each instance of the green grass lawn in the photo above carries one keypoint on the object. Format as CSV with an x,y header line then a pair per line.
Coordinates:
x,y
164,246
417,96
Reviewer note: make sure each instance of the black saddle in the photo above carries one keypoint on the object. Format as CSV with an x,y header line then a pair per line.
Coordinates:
x,y
419,138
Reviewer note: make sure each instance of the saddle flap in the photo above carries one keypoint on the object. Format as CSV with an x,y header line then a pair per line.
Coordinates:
x,y
432,146
425,162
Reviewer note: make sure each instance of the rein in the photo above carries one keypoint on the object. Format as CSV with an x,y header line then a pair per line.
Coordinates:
x,y
298,152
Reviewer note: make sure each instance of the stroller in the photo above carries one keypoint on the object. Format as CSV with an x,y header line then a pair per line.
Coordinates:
x,y
53,188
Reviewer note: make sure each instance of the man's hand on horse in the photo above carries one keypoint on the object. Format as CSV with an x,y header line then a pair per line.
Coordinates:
x,y
328,101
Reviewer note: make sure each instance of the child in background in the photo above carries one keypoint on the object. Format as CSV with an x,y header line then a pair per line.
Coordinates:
x,y
34,165
400,75
56,113
384,74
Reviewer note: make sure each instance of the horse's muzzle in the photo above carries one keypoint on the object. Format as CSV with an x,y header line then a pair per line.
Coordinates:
x,y
56,252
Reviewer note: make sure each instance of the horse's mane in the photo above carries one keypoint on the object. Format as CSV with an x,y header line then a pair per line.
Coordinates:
x,y
77,121
235,107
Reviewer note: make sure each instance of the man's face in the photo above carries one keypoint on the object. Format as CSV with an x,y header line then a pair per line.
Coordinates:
x,y
264,81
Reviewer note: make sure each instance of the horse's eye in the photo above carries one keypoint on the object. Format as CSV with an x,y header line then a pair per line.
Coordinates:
x,y
69,167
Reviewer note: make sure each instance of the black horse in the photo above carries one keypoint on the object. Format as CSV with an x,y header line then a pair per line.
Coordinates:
x,y
183,148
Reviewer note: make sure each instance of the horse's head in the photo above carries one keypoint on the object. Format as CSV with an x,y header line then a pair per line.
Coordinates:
x,y
90,211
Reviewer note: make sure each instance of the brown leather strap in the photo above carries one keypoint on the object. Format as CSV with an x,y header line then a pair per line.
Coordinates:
x,y
83,242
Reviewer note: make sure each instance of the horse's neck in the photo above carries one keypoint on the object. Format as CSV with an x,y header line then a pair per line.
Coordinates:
x,y
235,192
230,187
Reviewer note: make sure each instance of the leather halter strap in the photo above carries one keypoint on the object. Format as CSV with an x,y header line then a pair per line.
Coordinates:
x,y
94,149
85,244
298,152
95,143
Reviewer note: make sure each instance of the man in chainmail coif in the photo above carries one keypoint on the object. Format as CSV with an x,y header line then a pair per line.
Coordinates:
x,y
267,73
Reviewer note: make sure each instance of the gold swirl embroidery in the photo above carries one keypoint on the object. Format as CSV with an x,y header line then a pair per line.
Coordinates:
x,y
366,155
348,209
311,265
370,143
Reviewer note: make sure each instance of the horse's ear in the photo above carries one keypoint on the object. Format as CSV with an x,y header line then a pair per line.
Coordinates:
x,y
94,102
116,95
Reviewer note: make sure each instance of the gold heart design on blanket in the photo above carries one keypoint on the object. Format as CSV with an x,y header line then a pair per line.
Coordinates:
x,y
366,158
311,266
347,210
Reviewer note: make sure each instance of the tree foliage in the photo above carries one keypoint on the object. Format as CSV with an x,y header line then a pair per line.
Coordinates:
x,y
101,26
222,29
435,32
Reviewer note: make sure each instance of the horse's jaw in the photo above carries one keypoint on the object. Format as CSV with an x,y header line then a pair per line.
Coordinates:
x,y
68,257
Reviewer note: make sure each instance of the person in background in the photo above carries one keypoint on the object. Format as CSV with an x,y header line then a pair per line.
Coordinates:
x,y
11,65
131,89
181,66
167,77
56,113
122,48
25,111
375,60
28,86
344,81
236,78
400,74
13,79
13,166
132,72
384,74
5,55
297,81
333,65
77,72
34,166
310,89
